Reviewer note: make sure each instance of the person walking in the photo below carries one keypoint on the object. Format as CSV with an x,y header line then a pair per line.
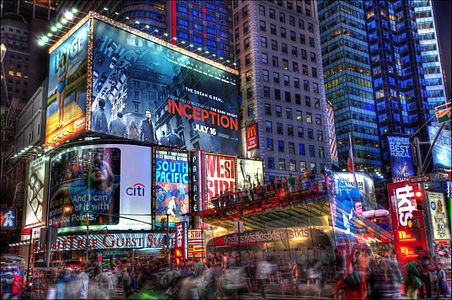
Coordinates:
x,y
413,281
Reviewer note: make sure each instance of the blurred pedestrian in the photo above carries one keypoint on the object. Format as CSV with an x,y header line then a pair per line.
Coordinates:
x,y
413,281
425,268
384,279
441,283
291,182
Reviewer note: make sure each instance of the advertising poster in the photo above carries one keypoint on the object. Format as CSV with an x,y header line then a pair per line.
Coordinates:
x,y
220,176
439,216
348,205
8,219
181,247
365,185
249,172
252,137
36,193
441,152
401,158
66,104
404,212
148,92
171,186
84,185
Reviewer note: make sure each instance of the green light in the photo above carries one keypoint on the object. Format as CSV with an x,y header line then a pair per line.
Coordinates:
x,y
137,22
74,10
49,34
59,25
183,42
45,39
199,48
165,34
221,58
53,28
156,30
63,21
191,45
147,26
105,8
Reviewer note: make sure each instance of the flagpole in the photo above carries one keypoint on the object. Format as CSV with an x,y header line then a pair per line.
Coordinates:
x,y
352,158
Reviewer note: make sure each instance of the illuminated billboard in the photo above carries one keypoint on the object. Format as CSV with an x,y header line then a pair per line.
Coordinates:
x,y
171,181
66,102
220,175
438,214
145,91
365,186
441,152
249,172
36,193
401,158
101,183
8,220
252,137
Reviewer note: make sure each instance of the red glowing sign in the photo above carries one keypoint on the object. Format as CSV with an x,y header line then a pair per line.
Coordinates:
x,y
180,251
252,137
220,175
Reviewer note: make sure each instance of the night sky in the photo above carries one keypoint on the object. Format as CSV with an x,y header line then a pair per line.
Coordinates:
x,y
443,12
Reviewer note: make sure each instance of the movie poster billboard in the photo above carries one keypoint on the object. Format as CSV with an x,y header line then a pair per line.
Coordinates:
x,y
171,186
66,102
249,172
145,91
36,193
441,152
84,187
8,218
438,214
220,176
401,158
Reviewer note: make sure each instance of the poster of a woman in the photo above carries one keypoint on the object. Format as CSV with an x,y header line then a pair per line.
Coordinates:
x,y
61,88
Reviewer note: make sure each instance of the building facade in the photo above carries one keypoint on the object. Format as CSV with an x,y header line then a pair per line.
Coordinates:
x,y
348,82
277,48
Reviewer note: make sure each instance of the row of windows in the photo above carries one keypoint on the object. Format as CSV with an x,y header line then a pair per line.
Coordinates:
x,y
292,165
291,132
291,148
288,97
286,81
285,65
298,114
283,33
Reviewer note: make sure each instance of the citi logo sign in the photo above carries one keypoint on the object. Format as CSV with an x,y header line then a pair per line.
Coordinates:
x,y
136,190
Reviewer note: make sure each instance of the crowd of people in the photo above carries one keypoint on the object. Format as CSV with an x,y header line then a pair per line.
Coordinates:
x,y
279,186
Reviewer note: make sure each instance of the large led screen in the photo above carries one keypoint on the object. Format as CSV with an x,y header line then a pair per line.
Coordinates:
x,y
441,152
249,172
85,187
66,102
145,91
365,186
401,158
171,186
36,193
127,187
220,175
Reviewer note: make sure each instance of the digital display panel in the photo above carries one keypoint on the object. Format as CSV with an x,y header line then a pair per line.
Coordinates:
x,y
171,186
220,176
249,172
148,92
126,191
441,152
36,193
401,158
66,102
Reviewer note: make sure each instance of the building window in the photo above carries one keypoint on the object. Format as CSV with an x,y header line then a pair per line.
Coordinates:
x,y
293,165
249,95
246,43
307,101
268,109
265,75
289,130
306,85
289,113
282,164
266,92
310,27
296,82
283,32
321,152
287,96
302,166
315,88
275,61
270,144
308,117
271,163
313,168
274,45
278,110
275,77
262,25
245,11
311,42
294,52
291,147
311,151
250,110
279,128
310,133
299,116
305,70
261,10
293,36
317,103
284,48
247,60
264,58
268,127
301,150
263,42
314,72
295,67
271,13
286,80
318,119
285,64
300,132
278,94
282,17
248,76
313,57
297,99
302,39
273,29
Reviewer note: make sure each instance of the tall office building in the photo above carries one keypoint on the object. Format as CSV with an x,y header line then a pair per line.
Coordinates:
x,y
348,81
431,60
397,72
201,26
277,49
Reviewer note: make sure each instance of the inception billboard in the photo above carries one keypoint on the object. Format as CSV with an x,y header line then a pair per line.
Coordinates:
x,y
143,90
116,80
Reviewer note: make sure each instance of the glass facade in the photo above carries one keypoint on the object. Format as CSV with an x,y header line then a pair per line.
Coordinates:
x,y
348,81
431,61
396,64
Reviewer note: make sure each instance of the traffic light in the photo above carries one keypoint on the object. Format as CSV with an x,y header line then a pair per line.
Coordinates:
x,y
419,194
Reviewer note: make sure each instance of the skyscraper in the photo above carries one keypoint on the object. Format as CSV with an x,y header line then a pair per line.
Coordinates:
x,y
348,81
277,48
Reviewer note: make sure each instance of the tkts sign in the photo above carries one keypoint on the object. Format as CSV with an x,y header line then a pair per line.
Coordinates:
x,y
220,175
404,212
252,140
181,249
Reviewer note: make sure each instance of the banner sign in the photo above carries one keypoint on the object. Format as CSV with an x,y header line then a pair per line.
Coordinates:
x,y
365,185
8,220
249,172
252,137
220,175
404,212
171,185
66,104
195,187
109,241
36,193
439,216
401,158
181,247
332,134
441,152
145,91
